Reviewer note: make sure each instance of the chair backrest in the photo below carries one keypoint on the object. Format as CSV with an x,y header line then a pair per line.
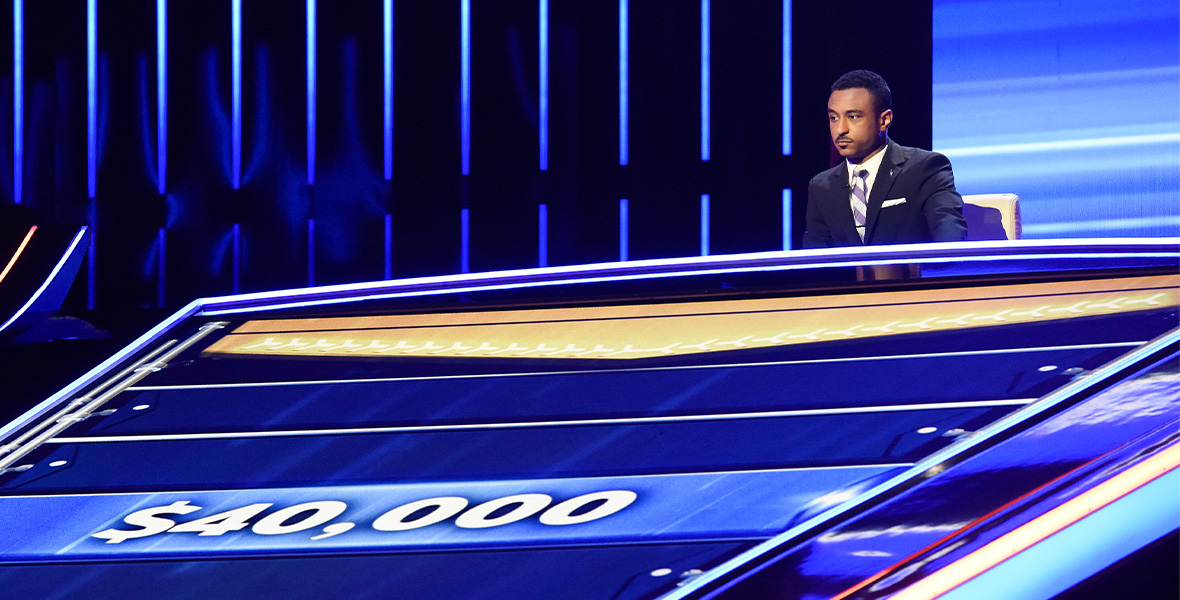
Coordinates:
x,y
992,216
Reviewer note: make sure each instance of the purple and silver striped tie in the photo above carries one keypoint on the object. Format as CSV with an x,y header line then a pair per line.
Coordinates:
x,y
860,204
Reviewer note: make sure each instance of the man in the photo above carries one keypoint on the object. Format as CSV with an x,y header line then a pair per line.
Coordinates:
x,y
883,193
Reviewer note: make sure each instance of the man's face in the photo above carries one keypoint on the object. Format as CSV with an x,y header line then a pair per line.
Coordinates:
x,y
857,129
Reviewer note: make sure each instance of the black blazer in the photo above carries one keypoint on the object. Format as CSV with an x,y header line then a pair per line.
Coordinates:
x,y
913,200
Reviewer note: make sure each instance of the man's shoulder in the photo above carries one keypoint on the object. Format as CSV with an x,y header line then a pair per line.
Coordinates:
x,y
827,176
912,153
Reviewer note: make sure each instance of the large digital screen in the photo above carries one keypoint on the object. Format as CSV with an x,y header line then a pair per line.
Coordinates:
x,y
1073,106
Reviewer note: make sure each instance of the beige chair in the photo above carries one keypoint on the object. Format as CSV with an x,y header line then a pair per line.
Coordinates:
x,y
992,216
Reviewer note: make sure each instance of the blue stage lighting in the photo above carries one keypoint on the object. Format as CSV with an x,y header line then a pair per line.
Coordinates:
x,y
91,102
705,146
236,26
465,85
623,98
311,97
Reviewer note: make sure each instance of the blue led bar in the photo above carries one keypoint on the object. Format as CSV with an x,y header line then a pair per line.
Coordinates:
x,y
18,99
786,218
388,246
704,224
91,106
90,271
311,95
543,235
705,145
543,101
161,94
624,226
236,27
237,235
465,86
161,262
387,75
623,98
310,252
786,79
465,239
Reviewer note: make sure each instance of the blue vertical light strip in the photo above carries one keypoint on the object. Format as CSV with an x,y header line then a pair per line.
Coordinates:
x,y
704,224
91,271
18,99
705,100
543,235
236,51
623,91
310,252
387,77
388,246
624,226
311,94
237,235
543,101
161,96
161,261
465,241
91,104
465,85
786,218
786,80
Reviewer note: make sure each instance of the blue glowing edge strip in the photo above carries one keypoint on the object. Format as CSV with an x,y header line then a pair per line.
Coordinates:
x,y
623,91
465,85
1155,248
236,26
94,374
65,257
18,100
91,97
478,287
161,94
963,446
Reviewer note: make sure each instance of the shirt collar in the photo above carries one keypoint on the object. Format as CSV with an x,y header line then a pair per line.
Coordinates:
x,y
871,165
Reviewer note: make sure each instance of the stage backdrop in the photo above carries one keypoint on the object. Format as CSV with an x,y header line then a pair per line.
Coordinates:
x,y
240,145
1073,105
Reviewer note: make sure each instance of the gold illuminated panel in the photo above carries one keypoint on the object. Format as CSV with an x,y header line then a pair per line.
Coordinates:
x,y
627,332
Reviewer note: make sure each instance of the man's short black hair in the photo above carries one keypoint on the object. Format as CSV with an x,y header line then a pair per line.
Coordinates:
x,y
874,83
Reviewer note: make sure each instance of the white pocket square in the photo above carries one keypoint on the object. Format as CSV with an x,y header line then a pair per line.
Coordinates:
x,y
893,202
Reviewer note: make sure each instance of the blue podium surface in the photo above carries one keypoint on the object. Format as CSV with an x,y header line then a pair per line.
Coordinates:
x,y
811,424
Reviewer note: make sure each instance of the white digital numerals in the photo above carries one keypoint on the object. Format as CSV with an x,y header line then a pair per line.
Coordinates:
x,y
413,515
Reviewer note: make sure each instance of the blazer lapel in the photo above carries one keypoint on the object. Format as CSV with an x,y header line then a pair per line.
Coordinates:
x,y
891,166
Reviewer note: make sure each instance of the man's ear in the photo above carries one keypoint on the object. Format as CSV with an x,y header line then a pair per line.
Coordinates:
x,y
885,120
